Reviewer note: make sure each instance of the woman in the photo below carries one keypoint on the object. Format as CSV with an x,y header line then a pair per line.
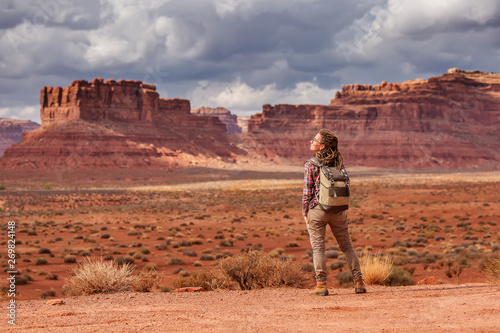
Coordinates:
x,y
325,146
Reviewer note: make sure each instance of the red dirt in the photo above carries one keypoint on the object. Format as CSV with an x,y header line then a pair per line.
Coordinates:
x,y
438,308
463,208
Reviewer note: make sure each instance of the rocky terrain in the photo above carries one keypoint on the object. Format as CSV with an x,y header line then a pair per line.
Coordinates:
x,y
11,131
450,121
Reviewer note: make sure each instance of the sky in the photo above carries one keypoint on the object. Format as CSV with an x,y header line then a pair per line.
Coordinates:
x,y
238,54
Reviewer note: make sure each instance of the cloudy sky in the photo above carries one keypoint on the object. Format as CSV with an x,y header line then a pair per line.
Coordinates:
x,y
238,54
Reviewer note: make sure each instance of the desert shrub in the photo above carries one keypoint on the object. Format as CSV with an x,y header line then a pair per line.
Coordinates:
x,y
51,277
455,265
150,267
48,293
276,252
128,260
175,261
206,257
376,268
146,280
207,279
44,250
41,261
23,279
337,264
332,254
165,289
69,259
226,243
2,187
253,270
308,267
399,277
96,276
345,278
491,268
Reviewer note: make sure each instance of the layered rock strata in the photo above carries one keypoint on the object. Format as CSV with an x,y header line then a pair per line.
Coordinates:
x,y
11,131
116,124
450,121
224,116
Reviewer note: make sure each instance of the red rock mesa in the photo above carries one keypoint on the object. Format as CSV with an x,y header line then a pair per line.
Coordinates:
x,y
116,124
450,121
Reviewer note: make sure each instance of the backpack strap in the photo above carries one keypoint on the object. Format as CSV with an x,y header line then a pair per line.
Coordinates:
x,y
314,161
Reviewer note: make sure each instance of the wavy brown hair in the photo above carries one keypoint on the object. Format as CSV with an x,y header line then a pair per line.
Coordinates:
x,y
330,155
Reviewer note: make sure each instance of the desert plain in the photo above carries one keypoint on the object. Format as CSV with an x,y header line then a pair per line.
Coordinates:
x,y
440,226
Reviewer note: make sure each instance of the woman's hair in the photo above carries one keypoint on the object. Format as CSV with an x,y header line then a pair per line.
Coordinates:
x,y
330,155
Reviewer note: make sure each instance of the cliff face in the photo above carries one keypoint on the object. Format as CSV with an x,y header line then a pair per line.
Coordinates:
x,y
11,131
116,124
450,121
224,116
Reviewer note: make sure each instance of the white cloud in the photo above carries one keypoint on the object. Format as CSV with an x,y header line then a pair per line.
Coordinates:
x,y
249,53
239,97
26,112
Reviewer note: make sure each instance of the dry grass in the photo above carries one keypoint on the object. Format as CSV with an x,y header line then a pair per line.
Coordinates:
x,y
255,269
376,268
491,268
96,276
207,279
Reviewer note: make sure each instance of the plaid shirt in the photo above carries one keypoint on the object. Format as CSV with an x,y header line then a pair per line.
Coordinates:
x,y
311,187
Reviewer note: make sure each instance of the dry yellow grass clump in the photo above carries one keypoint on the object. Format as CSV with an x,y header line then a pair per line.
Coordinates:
x,y
492,269
96,276
376,268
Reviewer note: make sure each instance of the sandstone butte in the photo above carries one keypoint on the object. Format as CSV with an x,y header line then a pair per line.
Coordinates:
x,y
109,124
445,122
224,115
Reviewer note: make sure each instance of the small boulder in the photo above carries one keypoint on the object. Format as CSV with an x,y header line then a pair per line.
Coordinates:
x,y
428,280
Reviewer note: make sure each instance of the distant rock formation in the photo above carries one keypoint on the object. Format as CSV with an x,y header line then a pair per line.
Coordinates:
x,y
449,121
445,122
224,116
243,123
11,131
120,124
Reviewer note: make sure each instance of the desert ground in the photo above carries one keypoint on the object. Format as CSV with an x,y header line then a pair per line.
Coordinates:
x,y
441,225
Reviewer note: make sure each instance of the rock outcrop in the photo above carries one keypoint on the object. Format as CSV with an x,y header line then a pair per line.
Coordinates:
x,y
11,131
117,124
224,116
450,121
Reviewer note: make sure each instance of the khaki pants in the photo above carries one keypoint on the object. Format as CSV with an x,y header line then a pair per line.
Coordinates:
x,y
317,219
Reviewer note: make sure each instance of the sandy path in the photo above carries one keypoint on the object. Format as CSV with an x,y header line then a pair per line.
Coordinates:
x,y
438,308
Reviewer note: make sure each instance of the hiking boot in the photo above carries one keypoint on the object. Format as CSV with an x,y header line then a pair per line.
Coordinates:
x,y
320,290
359,286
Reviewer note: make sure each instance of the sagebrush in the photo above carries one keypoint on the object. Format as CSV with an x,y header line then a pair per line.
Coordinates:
x,y
96,276
256,269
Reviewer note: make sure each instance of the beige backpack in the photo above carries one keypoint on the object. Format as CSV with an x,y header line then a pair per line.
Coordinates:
x,y
334,187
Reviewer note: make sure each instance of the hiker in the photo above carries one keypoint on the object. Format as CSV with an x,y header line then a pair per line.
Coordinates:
x,y
325,146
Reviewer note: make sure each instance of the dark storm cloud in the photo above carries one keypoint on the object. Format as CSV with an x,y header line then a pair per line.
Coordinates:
x,y
239,54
